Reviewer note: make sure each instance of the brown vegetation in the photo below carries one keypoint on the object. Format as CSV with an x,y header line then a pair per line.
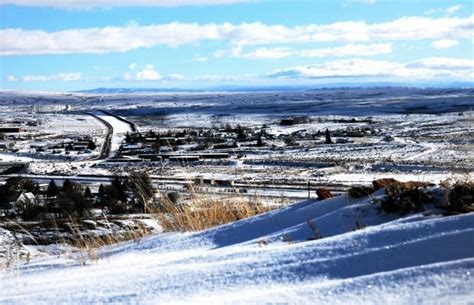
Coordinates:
x,y
361,191
383,182
205,213
461,197
323,193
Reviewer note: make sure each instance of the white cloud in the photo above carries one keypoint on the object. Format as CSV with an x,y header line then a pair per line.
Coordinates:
x,y
147,73
265,53
83,4
200,58
67,77
444,43
121,39
12,78
453,9
447,12
346,2
223,78
427,68
351,50
443,63
174,77
150,67
339,68
282,52
127,76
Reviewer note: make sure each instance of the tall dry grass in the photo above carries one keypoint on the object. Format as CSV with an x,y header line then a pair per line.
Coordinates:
x,y
204,212
201,212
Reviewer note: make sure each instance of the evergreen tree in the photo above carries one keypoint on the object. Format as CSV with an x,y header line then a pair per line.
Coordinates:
x,y
259,139
18,184
72,200
101,192
128,139
91,145
28,185
328,137
52,189
3,197
240,133
101,197
142,187
88,193
67,187
120,186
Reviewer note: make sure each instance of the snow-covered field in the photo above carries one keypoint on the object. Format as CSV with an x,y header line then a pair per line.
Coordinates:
x,y
365,256
338,251
415,134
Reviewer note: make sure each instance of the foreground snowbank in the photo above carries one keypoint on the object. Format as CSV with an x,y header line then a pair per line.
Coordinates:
x,y
274,257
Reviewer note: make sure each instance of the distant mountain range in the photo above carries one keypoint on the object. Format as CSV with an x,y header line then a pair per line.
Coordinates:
x,y
232,88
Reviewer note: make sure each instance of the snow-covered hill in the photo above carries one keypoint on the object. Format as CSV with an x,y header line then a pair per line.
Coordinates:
x,y
341,250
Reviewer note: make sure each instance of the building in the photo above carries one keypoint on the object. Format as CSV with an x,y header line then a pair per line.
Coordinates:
x,y
10,129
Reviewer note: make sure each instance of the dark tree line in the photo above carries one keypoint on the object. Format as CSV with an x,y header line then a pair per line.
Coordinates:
x,y
123,195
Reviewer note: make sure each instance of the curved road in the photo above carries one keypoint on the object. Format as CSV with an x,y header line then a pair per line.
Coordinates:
x,y
115,126
105,151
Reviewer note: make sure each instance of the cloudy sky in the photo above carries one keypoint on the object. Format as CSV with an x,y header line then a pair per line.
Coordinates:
x,y
82,44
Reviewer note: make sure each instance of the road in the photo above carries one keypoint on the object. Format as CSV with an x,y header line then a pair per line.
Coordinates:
x,y
117,127
105,151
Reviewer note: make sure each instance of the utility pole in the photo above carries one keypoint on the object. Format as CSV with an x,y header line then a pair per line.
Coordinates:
x,y
309,189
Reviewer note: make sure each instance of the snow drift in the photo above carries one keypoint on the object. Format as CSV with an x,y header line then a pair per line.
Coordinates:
x,y
341,250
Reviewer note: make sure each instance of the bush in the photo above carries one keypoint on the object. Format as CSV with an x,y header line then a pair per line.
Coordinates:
x,y
360,191
404,198
71,200
461,197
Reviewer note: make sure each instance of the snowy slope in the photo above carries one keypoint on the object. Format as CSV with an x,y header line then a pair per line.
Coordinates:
x,y
421,258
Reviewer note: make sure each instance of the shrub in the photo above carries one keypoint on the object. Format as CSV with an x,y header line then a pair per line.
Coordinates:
x,y
461,197
403,200
71,200
323,193
360,191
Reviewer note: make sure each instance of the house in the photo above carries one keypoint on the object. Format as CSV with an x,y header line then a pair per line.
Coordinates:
x,y
125,160
24,199
168,140
151,157
10,129
226,145
294,121
214,156
184,158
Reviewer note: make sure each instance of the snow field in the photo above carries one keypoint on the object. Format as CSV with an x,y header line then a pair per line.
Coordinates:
x,y
422,258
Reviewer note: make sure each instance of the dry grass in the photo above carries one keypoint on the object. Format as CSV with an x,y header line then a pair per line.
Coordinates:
x,y
206,212
84,244
201,212
87,244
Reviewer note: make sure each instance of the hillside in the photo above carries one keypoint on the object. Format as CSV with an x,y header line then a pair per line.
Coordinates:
x,y
340,250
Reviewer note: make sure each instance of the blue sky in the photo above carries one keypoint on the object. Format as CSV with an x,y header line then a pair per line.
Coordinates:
x,y
82,44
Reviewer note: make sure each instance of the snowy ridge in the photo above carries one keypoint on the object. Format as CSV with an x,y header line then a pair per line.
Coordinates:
x,y
422,258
